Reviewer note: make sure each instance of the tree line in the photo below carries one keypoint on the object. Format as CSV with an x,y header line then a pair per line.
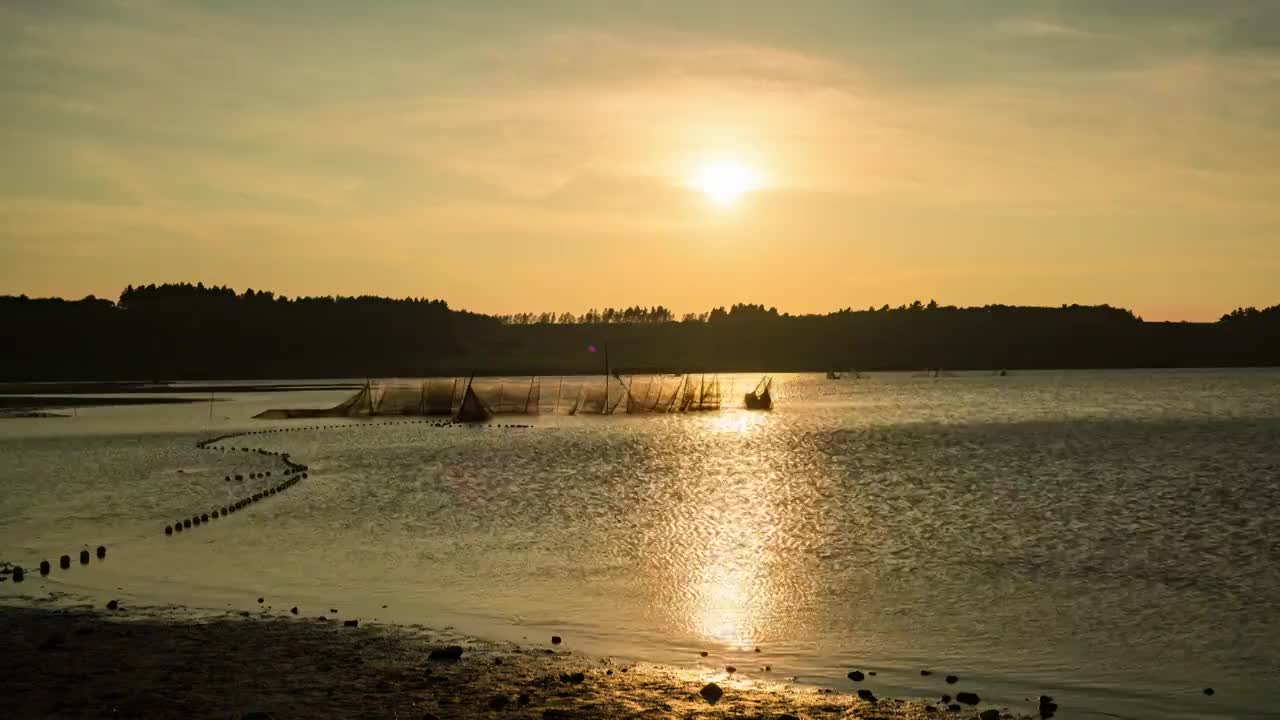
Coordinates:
x,y
194,331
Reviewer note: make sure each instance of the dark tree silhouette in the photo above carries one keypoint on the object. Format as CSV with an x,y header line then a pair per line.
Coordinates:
x,y
180,331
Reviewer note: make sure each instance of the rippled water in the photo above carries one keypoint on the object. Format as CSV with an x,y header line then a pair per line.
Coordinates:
x,y
1105,537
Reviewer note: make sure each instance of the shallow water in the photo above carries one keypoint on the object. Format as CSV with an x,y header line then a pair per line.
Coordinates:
x,y
1103,537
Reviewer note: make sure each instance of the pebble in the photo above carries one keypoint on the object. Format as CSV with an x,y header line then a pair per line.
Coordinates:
x,y
867,695
989,715
451,653
712,693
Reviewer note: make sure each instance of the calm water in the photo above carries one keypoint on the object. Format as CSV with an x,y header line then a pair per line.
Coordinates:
x,y
1108,538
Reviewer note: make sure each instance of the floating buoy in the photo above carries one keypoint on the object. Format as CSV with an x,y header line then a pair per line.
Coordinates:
x,y
239,478
18,574
102,551
227,478
168,529
44,567
186,523
84,557
223,511
64,562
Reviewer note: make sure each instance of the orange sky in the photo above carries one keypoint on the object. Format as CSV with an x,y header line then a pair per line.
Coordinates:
x,y
541,156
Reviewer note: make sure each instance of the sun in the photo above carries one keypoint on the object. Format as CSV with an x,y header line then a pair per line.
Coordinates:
x,y
724,181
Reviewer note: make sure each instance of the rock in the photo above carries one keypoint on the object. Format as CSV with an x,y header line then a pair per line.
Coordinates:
x,y
1207,691
926,673
952,679
64,562
731,669
498,702
524,699
294,609
703,653
84,557
787,716
555,640
556,714
930,709
102,551
712,693
867,695
260,600
768,668
757,649
18,574
44,567
945,699
954,707
452,653
333,610
351,623
989,715
856,676
968,698
113,605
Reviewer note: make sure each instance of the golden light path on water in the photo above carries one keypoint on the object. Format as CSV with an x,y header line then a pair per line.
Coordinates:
x,y
735,543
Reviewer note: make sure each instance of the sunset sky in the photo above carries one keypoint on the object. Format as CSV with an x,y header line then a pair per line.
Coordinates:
x,y
531,156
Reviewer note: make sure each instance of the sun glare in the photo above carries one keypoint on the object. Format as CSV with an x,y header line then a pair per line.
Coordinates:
x,y
723,182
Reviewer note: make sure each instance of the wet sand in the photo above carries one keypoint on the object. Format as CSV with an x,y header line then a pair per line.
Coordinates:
x,y
168,663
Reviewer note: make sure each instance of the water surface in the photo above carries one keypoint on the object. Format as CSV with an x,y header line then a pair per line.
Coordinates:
x,y
1104,537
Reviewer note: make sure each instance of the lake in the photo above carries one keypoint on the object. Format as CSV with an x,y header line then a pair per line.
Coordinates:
x,y
1108,538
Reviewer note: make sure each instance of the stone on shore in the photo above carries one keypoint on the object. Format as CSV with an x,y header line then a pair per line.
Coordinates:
x,y
712,693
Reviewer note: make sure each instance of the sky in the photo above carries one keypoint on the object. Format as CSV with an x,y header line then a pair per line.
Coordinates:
x,y
544,156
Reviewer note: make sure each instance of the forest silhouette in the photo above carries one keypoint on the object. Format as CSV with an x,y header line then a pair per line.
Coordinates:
x,y
185,331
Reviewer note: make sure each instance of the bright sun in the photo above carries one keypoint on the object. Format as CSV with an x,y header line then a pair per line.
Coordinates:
x,y
724,181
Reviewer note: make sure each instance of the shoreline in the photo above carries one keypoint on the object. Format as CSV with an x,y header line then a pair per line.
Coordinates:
x,y
169,662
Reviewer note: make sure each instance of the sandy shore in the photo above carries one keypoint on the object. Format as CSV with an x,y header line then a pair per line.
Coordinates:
x,y
166,663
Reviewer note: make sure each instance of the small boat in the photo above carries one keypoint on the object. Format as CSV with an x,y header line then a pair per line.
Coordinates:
x,y
760,398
